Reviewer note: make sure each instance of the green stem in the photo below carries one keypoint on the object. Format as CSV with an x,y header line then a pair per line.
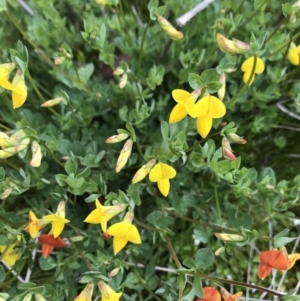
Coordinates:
x,y
51,154
142,47
282,21
200,141
284,44
286,51
139,149
218,205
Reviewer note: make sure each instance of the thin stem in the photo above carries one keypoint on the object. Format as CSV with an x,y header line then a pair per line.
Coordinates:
x,y
282,21
139,148
200,141
142,47
172,252
286,51
218,205
284,44
51,153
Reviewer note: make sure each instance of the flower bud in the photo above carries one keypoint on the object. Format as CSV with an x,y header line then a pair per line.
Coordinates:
x,y
5,70
124,155
52,102
115,209
2,299
61,209
36,154
196,93
5,194
231,46
114,272
128,218
4,140
59,60
143,171
19,90
117,138
169,29
123,81
219,251
27,297
103,287
221,91
118,71
229,237
39,297
86,293
235,138
227,151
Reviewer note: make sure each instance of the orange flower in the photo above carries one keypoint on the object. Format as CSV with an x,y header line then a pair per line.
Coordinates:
x,y
269,260
49,243
228,297
210,294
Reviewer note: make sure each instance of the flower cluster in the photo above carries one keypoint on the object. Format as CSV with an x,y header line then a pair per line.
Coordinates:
x,y
17,86
122,232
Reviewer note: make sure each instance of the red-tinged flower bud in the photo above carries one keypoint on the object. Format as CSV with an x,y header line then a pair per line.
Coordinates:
x,y
86,293
123,81
227,151
124,155
128,218
119,71
221,91
52,102
169,29
235,138
36,154
5,194
229,237
231,46
196,93
143,171
117,138
219,251
114,272
39,297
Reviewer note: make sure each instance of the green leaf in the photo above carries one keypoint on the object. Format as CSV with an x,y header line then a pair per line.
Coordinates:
x,y
152,7
204,258
213,87
190,296
26,286
210,75
282,233
85,72
164,127
281,241
47,263
130,128
92,198
190,263
197,286
71,166
195,81
287,9
3,5
2,274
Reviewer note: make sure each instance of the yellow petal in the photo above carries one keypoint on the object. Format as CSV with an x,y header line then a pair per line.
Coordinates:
x,y
32,216
134,235
164,186
57,228
119,229
161,171
294,56
95,217
18,99
5,84
181,96
246,78
292,259
248,65
119,243
210,106
204,124
33,231
190,107
177,114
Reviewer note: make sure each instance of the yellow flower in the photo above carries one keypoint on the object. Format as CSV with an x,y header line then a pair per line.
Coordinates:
x,y
247,67
108,294
19,90
207,108
143,171
185,105
102,214
58,219
35,225
86,294
11,256
292,259
294,54
162,173
5,70
169,29
123,232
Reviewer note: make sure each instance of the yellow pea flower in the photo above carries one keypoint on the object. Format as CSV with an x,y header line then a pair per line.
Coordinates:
x,y
247,67
143,171
11,256
5,70
124,155
169,29
37,155
294,54
108,294
102,214
123,232
58,219
19,90
86,294
207,108
35,225
185,105
162,173
292,258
